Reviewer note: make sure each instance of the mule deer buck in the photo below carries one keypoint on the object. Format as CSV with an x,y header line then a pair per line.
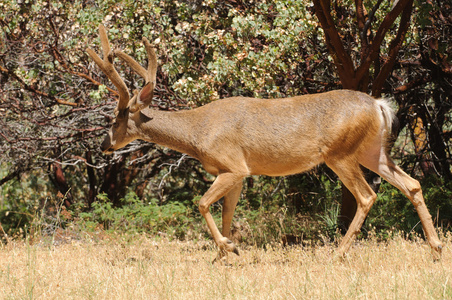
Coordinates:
x,y
237,137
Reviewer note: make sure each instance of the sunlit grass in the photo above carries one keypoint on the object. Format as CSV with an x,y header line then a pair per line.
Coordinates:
x,y
139,267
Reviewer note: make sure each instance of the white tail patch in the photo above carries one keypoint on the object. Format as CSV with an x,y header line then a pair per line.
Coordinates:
x,y
387,114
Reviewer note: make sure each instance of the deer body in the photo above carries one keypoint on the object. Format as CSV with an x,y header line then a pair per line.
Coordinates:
x,y
237,137
274,137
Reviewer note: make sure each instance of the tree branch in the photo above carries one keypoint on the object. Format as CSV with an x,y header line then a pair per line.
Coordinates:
x,y
12,175
33,90
385,25
394,48
341,58
63,62
78,132
360,17
370,18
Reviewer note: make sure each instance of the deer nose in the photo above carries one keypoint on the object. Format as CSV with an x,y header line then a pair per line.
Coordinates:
x,y
107,151
106,146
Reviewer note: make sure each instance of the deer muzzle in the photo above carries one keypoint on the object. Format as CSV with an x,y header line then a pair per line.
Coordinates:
x,y
106,146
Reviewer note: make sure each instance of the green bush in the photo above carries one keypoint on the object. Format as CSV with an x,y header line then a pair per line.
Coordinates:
x,y
134,215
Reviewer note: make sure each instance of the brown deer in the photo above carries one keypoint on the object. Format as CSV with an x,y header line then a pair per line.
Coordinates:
x,y
237,137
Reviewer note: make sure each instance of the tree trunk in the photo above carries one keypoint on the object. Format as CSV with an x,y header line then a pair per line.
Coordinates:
x,y
59,181
358,77
91,178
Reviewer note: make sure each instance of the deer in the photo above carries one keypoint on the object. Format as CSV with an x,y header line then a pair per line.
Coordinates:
x,y
239,136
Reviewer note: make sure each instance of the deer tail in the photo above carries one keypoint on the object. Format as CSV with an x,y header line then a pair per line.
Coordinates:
x,y
387,114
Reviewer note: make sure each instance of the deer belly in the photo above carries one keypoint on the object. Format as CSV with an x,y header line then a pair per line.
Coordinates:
x,y
284,165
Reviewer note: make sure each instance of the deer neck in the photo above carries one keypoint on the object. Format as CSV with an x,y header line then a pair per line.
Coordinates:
x,y
169,129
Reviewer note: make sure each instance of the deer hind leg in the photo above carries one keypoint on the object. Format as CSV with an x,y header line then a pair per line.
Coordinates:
x,y
226,184
383,165
350,174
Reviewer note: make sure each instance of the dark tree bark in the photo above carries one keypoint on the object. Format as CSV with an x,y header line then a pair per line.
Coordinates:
x,y
59,181
111,185
92,193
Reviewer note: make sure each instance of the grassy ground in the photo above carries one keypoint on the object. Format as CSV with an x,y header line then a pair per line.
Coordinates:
x,y
138,267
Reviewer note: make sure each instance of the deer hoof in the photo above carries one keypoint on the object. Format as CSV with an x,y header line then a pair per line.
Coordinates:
x,y
437,251
227,245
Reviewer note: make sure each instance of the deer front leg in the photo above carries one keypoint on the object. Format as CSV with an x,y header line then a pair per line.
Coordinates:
x,y
228,185
229,204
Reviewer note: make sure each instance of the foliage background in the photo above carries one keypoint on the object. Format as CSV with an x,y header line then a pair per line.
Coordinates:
x,y
55,106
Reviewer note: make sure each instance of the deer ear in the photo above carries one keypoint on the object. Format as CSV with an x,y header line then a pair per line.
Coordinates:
x,y
143,99
146,94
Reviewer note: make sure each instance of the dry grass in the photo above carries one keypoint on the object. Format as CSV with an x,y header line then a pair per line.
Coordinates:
x,y
143,268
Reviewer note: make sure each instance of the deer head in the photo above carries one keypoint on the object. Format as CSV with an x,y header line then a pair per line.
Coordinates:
x,y
124,129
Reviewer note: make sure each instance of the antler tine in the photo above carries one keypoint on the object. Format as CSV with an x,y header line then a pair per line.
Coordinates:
x,y
149,75
106,49
152,61
133,64
106,65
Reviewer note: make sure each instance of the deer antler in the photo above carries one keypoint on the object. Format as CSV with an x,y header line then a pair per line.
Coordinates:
x,y
106,65
149,75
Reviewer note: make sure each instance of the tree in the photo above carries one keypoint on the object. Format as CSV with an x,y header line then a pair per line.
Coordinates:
x,y
358,53
426,73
